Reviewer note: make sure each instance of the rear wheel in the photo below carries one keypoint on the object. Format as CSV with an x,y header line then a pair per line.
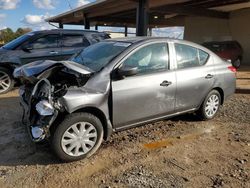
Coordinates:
x,y
210,106
77,137
237,63
6,80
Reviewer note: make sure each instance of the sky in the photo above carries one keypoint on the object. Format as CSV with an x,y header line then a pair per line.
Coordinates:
x,y
31,13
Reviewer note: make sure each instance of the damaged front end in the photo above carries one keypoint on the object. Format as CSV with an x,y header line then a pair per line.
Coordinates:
x,y
43,86
39,109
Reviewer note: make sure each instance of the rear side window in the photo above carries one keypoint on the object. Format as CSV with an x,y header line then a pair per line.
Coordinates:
x,y
74,41
188,56
48,41
96,37
203,57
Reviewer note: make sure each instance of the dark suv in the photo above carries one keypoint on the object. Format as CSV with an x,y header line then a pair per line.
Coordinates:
x,y
230,50
58,44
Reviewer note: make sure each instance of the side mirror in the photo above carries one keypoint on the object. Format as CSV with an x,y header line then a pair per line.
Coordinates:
x,y
127,71
27,48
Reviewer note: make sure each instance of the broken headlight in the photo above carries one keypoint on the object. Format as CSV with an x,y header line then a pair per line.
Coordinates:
x,y
44,108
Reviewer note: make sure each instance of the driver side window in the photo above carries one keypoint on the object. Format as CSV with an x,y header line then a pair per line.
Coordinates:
x,y
48,41
149,59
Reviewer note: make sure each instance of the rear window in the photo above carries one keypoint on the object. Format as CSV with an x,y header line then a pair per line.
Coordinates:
x,y
96,37
214,47
221,46
74,41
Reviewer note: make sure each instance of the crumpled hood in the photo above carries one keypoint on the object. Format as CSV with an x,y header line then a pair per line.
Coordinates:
x,y
37,67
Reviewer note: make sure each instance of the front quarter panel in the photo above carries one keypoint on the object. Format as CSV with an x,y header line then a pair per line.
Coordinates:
x,y
10,56
89,96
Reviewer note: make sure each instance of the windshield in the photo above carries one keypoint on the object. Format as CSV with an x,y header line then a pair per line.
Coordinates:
x,y
16,42
97,56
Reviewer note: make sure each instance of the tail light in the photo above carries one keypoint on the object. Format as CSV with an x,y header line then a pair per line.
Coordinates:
x,y
233,69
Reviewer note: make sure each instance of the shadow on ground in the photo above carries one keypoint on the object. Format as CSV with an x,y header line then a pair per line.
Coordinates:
x,y
15,145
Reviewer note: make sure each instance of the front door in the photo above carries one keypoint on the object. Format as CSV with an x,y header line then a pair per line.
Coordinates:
x,y
44,48
149,94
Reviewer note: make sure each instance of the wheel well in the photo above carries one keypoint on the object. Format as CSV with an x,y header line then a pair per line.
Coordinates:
x,y
98,113
221,94
7,66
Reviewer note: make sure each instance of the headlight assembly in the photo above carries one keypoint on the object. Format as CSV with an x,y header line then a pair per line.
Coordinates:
x,y
44,108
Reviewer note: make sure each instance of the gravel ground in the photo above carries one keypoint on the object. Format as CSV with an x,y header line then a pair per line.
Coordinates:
x,y
180,152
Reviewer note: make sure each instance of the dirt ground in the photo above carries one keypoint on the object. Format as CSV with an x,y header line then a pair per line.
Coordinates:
x,y
243,77
180,152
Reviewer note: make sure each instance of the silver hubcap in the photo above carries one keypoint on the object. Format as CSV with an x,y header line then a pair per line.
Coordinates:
x,y
4,82
212,105
79,139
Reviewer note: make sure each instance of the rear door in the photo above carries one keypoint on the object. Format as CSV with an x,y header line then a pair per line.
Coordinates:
x,y
72,43
149,94
195,76
45,47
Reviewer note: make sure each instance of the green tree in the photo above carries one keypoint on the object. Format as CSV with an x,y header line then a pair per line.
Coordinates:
x,y
22,31
7,35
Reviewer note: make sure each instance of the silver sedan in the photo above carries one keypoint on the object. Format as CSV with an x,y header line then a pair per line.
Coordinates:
x,y
118,84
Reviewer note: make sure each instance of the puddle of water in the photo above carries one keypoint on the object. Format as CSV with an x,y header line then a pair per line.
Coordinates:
x,y
176,140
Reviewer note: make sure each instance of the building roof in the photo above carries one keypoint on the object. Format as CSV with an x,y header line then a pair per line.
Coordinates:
x,y
161,12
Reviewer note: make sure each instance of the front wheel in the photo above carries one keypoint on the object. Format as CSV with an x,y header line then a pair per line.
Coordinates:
x,y
210,106
6,80
77,137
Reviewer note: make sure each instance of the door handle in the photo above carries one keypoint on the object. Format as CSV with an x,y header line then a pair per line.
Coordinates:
x,y
53,52
209,76
165,83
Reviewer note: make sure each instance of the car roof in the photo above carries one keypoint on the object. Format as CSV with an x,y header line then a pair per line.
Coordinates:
x,y
65,30
221,42
135,40
141,40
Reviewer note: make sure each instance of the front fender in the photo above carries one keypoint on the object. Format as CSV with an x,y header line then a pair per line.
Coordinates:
x,y
79,98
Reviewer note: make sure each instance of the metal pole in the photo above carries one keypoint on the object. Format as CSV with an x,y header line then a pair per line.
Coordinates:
x,y
142,18
86,22
60,25
150,31
126,31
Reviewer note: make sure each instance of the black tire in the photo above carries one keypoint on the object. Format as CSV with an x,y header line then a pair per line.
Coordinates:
x,y
237,63
11,80
65,125
202,111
